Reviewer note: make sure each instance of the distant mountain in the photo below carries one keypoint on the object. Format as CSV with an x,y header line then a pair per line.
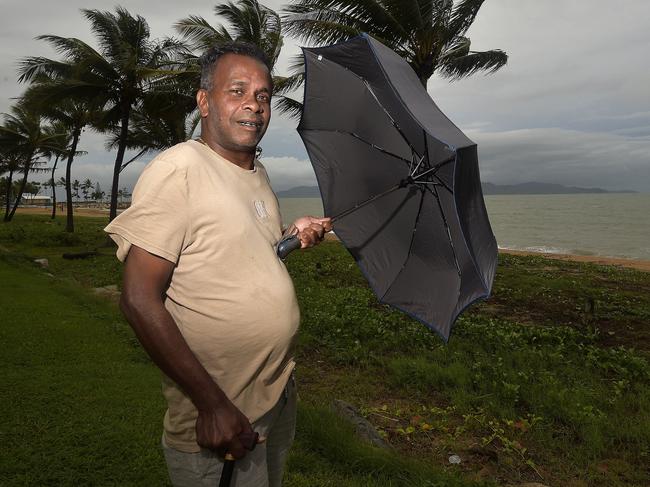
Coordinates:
x,y
488,188
540,188
300,192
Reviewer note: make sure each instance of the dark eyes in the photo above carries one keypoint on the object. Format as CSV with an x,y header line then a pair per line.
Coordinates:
x,y
262,97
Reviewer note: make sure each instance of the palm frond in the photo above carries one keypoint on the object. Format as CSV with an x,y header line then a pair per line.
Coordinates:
x,y
200,33
463,66
288,106
104,27
463,16
286,84
32,67
328,21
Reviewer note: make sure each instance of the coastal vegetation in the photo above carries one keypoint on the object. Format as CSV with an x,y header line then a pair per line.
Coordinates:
x,y
139,90
547,381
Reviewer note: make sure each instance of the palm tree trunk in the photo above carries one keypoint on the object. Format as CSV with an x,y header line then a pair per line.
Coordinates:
x,y
53,186
8,194
69,222
124,166
124,132
23,183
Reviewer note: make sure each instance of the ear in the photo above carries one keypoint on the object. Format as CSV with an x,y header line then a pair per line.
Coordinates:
x,y
202,102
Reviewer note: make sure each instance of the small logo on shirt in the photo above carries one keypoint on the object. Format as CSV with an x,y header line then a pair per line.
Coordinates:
x,y
261,209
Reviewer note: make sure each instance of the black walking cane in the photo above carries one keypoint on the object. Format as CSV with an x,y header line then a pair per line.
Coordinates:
x,y
249,440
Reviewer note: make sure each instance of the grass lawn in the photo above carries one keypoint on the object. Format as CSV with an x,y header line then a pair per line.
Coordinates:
x,y
548,381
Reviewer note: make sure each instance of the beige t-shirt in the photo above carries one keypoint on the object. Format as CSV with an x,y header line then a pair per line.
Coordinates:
x,y
230,294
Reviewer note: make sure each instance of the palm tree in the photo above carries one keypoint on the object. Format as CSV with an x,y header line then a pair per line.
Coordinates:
x,y
70,116
115,78
76,185
429,34
10,164
165,118
86,186
22,138
247,21
98,194
59,149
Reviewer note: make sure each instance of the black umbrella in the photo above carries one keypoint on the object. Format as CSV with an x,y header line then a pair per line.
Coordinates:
x,y
400,178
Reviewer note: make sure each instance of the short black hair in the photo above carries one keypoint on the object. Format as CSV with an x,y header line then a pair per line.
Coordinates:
x,y
209,59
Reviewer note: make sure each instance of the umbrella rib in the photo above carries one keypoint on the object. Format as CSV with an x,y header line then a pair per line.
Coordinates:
x,y
434,192
434,168
443,184
364,203
417,167
415,228
426,147
392,120
380,149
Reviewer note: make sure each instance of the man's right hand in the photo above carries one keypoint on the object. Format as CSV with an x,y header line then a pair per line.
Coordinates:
x,y
220,429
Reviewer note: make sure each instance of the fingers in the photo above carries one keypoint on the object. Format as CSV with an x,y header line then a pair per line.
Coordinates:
x,y
224,430
311,235
311,230
222,444
305,221
327,224
236,449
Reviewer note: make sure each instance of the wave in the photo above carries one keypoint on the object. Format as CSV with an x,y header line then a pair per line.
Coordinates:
x,y
539,249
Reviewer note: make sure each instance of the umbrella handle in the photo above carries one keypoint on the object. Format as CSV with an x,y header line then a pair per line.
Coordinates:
x,y
288,245
249,441
227,470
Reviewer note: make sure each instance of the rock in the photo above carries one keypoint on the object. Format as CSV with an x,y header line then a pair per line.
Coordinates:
x,y
44,263
363,428
79,255
110,290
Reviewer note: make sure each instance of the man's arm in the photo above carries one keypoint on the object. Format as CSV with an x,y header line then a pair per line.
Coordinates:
x,y
146,278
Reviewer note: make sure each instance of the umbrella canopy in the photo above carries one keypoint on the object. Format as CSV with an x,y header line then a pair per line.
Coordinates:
x,y
401,180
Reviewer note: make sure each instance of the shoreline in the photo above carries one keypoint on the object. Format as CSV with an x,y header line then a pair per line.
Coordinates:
x,y
638,264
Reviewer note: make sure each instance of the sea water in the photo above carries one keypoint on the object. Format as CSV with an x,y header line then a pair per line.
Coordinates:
x,y
608,224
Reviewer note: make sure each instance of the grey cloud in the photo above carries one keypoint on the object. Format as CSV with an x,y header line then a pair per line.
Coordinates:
x,y
572,103
567,157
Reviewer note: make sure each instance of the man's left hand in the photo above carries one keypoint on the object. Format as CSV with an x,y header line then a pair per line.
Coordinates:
x,y
311,230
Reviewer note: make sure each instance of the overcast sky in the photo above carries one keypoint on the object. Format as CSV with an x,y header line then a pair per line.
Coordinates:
x,y
572,106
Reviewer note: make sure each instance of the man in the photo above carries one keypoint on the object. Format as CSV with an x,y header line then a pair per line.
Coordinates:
x,y
203,288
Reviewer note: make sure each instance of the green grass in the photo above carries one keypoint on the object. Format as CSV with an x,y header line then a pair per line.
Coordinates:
x,y
84,404
547,381
81,404
555,396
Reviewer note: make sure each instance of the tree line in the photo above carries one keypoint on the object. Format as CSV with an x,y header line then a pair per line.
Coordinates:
x,y
140,91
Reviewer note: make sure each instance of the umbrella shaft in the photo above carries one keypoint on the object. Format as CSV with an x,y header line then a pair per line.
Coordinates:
x,y
364,203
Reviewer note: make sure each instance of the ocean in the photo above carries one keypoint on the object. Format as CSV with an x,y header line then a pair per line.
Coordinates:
x,y
608,225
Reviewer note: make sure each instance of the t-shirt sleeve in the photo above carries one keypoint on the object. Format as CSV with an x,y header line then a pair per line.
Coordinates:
x,y
157,219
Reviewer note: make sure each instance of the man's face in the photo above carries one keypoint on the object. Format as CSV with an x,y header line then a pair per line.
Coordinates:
x,y
237,110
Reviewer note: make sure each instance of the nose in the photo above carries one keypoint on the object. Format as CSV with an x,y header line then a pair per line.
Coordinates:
x,y
253,104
